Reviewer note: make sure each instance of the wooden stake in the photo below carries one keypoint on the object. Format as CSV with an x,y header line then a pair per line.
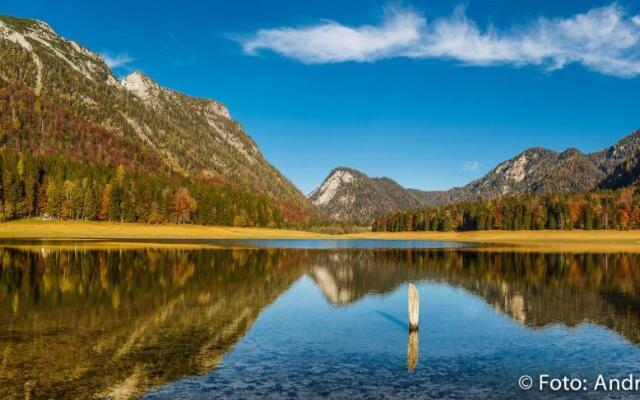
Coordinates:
x,y
414,308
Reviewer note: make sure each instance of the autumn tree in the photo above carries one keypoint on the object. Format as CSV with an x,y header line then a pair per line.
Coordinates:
x,y
183,205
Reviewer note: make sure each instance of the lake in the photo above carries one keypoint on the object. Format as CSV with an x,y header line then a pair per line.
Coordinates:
x,y
312,319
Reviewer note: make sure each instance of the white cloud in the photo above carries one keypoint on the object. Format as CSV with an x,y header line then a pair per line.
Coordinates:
x,y
471,166
604,39
332,42
117,60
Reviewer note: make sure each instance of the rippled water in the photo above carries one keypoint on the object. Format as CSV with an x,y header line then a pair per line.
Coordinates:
x,y
311,323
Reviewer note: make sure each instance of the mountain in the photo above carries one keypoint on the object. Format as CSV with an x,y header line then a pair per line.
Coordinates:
x,y
535,171
351,195
620,162
192,138
543,171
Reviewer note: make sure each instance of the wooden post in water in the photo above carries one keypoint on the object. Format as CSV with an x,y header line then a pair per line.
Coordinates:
x,y
414,307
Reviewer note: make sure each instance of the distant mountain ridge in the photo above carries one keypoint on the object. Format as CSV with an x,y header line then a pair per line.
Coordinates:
x,y
350,195
534,171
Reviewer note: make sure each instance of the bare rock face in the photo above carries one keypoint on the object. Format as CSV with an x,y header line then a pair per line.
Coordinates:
x,y
330,187
140,85
148,90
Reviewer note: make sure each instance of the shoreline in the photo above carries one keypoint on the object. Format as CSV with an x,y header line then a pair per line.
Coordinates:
x,y
91,230
578,240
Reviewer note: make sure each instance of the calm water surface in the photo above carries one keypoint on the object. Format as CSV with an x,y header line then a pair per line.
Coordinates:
x,y
311,321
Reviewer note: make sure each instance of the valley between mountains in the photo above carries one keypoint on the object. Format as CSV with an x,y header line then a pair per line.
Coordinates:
x,y
77,143
347,194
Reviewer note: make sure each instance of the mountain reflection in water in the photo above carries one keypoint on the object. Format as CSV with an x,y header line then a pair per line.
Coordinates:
x,y
116,323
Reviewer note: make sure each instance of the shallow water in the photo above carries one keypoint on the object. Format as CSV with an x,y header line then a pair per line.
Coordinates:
x,y
312,323
284,244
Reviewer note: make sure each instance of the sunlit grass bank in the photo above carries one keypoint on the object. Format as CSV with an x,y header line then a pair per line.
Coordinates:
x,y
35,228
575,240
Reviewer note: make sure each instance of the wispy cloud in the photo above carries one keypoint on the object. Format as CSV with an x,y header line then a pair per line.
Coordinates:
x,y
470,166
117,60
605,39
332,42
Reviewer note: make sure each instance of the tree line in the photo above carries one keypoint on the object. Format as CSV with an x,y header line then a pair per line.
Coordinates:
x,y
53,187
619,209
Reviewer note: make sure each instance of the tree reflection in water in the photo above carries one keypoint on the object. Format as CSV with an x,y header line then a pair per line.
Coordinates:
x,y
99,323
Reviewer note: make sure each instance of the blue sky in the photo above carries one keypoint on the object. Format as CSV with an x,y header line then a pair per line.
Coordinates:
x,y
430,93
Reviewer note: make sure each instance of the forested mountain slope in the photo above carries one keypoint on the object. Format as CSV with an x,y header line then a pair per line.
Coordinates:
x,y
610,209
189,138
56,164
535,171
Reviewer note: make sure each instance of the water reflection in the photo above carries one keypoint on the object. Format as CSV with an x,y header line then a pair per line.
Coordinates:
x,y
413,350
535,289
115,323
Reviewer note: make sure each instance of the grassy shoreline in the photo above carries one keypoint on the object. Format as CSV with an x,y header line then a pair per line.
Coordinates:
x,y
567,240
546,240
54,229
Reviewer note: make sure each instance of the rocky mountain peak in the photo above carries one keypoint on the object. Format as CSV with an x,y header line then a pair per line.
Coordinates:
x,y
150,91
622,149
350,195
38,38
43,25
331,185
570,153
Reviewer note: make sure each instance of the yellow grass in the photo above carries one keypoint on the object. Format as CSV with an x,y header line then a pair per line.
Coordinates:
x,y
576,240
539,240
546,236
39,229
